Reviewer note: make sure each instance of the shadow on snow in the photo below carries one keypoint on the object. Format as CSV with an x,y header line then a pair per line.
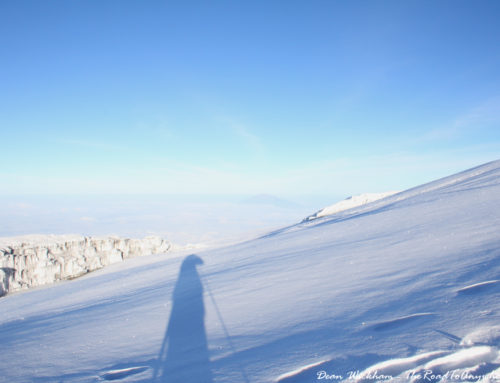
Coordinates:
x,y
184,355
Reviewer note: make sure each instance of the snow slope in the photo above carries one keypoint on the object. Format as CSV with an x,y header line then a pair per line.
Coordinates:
x,y
349,203
405,287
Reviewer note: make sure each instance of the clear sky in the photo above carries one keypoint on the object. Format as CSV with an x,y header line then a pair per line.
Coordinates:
x,y
279,97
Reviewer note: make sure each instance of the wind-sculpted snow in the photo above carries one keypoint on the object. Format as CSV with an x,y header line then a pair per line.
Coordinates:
x,y
36,260
470,363
404,289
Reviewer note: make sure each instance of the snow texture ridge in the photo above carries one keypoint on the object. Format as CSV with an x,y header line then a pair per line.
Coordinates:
x,y
29,261
470,363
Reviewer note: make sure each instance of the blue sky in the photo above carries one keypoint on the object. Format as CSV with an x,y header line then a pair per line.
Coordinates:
x,y
233,97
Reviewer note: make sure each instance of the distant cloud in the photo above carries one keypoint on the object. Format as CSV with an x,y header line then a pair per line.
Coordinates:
x,y
243,132
476,118
229,120
378,173
158,127
339,177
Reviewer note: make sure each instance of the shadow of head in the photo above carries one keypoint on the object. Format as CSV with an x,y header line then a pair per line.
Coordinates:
x,y
191,261
188,288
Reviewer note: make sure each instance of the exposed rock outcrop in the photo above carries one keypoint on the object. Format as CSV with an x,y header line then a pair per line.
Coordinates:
x,y
30,261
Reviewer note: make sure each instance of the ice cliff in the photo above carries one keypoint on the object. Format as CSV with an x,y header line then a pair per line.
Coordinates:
x,y
36,260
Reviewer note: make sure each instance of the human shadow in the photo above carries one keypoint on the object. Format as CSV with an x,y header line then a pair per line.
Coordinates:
x,y
184,355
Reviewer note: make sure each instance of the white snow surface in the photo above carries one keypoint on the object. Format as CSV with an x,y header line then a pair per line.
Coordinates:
x,y
349,203
396,290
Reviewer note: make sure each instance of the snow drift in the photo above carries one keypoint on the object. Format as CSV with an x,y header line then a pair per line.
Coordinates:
x,y
35,260
401,289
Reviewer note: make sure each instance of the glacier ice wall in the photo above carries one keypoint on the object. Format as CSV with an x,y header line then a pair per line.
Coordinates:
x,y
38,260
